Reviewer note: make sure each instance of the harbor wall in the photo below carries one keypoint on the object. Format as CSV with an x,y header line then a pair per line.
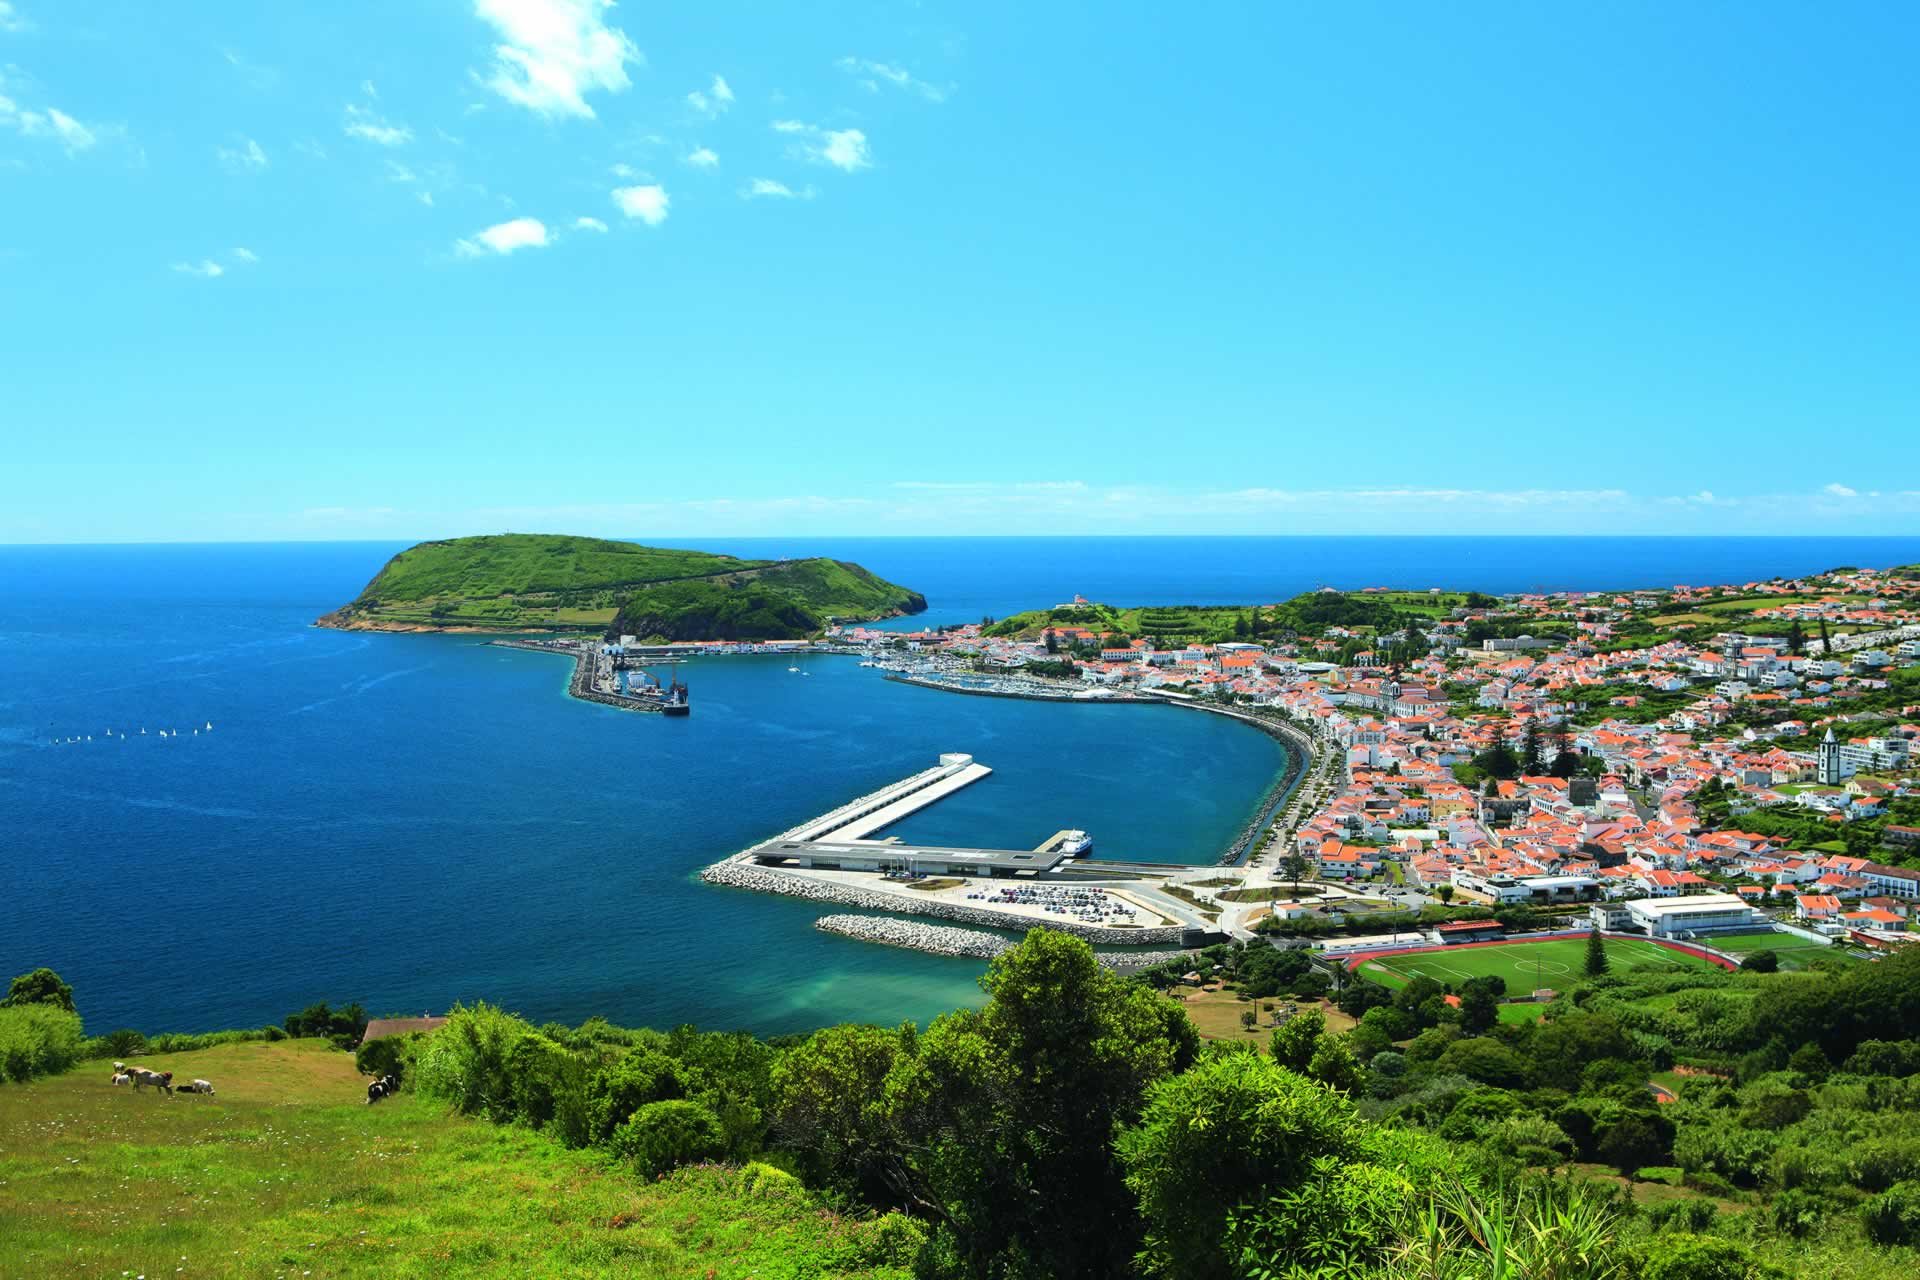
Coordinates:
x,y
737,874
942,940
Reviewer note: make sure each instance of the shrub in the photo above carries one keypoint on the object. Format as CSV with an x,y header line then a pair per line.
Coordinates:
x,y
466,1061
383,1057
1668,1174
37,1040
1685,1256
664,1135
1893,1216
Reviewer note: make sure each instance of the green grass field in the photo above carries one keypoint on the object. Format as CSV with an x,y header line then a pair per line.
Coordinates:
x,y
1526,966
1793,950
286,1172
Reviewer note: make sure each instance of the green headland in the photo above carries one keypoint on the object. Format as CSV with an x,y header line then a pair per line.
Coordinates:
x,y
554,582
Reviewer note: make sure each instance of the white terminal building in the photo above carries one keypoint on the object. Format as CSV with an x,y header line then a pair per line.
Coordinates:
x,y
1701,913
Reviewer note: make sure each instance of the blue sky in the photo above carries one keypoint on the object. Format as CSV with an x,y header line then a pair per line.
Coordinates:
x,y
418,268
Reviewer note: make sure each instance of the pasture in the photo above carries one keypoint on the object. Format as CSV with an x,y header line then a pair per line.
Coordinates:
x,y
1526,966
287,1172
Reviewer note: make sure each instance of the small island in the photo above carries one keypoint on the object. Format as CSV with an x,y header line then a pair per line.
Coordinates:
x,y
518,582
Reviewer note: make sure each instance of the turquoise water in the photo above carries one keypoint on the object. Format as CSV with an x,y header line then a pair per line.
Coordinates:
x,y
411,820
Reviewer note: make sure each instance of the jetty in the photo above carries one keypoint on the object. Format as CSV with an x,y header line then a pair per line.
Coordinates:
x,y
596,677
844,857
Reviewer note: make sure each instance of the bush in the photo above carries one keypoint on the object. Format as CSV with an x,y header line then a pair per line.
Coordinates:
x,y
383,1057
664,1135
1893,1216
1668,1174
38,1040
466,1061
1685,1256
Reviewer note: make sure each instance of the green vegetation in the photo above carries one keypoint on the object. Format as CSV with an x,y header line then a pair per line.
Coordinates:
x,y
287,1170
518,582
1554,962
1309,614
1431,1140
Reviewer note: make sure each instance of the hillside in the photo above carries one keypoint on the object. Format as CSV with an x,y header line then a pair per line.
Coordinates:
x,y
522,582
1307,614
287,1171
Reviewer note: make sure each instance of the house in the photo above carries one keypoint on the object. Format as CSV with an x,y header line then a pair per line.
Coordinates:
x,y
1816,907
1696,914
381,1028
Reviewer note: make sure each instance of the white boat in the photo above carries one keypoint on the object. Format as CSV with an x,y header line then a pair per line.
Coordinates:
x,y
793,668
1076,843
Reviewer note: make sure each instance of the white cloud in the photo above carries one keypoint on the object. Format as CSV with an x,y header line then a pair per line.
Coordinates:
x,y
872,74
424,197
1840,491
364,124
712,100
51,123
555,52
11,19
703,158
589,224
626,171
248,158
206,269
504,238
762,187
247,256
844,149
366,87
648,203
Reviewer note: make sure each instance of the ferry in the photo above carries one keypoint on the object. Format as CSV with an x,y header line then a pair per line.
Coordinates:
x,y
1076,843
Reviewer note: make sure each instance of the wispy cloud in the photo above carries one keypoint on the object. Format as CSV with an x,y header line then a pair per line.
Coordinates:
x,y
247,156
47,123
648,203
366,125
504,238
205,269
872,76
245,256
703,158
11,19
760,188
588,224
553,53
844,149
1839,491
713,99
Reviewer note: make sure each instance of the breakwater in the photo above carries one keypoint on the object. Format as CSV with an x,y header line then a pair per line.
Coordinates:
x,y
737,874
581,684
943,940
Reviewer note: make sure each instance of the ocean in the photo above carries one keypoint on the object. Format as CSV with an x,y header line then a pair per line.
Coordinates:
x,y
410,820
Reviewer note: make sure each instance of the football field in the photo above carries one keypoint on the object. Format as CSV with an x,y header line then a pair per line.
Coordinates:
x,y
1526,966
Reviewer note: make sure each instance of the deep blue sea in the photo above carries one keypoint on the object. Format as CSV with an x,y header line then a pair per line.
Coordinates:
x,y
413,820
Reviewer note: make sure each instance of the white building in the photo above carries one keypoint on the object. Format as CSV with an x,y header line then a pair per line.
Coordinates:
x,y
1699,913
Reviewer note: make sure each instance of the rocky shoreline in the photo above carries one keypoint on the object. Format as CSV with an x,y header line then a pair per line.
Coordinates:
x,y
943,940
743,875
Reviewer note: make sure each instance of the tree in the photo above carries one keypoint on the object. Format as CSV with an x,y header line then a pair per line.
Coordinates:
x,y
1444,893
1231,1130
1025,1093
1530,759
1596,964
1633,1142
1053,642
1796,638
1294,867
42,986
1249,1019
1761,962
826,1096
1479,1011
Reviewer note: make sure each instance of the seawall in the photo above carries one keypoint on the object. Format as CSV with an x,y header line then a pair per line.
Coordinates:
x,y
942,940
736,874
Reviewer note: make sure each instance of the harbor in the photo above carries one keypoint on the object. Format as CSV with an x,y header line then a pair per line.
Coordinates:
x,y
843,858
603,675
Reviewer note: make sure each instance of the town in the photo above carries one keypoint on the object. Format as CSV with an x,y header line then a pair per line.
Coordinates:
x,y
1750,749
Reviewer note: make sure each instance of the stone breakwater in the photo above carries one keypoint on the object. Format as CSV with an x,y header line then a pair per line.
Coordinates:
x,y
941,940
743,875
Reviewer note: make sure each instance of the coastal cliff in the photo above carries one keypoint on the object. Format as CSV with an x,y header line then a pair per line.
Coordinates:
x,y
548,582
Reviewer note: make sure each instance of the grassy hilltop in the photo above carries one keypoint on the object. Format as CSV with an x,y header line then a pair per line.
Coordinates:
x,y
528,581
287,1171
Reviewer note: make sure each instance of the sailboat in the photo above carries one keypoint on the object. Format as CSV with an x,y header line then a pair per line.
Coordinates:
x,y
209,726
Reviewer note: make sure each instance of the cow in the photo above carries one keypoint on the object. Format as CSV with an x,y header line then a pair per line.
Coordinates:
x,y
198,1086
385,1087
119,1066
121,1077
161,1080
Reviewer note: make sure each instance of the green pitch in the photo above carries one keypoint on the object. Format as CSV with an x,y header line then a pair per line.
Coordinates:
x,y
1793,950
1526,966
